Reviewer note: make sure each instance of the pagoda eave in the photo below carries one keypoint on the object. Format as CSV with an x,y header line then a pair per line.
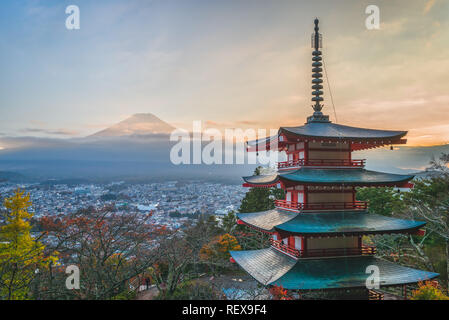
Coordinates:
x,y
265,221
355,144
327,223
289,183
271,267
328,131
282,233
356,177
252,185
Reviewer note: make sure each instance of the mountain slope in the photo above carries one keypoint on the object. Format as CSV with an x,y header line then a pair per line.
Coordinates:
x,y
137,124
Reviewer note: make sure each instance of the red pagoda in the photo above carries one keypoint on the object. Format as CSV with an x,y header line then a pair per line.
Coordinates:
x,y
316,231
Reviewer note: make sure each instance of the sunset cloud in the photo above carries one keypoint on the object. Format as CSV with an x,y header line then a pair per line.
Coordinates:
x,y
429,5
227,63
58,132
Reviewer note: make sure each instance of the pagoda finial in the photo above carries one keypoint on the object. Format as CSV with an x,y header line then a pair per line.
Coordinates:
x,y
317,75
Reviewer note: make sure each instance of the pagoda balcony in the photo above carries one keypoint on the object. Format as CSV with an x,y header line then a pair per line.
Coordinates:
x,y
279,245
298,206
333,252
360,163
328,252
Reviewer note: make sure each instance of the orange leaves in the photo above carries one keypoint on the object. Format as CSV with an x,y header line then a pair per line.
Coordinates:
x,y
219,248
429,290
279,293
228,243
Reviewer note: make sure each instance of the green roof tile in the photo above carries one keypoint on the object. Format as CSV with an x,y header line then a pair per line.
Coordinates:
x,y
270,267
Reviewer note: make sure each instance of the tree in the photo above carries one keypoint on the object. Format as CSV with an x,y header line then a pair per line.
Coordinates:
x,y
428,291
429,200
255,200
21,255
216,253
109,249
279,293
195,290
260,199
229,222
175,255
385,201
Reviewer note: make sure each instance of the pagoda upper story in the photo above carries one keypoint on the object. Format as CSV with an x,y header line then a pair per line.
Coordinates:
x,y
319,142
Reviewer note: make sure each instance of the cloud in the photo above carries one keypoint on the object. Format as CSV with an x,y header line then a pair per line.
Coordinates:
x,y
59,132
394,27
429,5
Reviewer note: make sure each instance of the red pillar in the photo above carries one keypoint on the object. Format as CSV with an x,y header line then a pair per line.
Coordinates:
x,y
304,245
306,150
291,241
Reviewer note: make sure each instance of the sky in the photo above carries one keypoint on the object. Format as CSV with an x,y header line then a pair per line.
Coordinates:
x,y
233,63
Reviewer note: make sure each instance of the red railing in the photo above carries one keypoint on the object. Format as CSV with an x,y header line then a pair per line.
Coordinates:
x,y
375,295
322,163
329,252
357,205
285,248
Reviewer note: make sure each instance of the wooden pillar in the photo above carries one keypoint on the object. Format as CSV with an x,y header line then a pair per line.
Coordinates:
x,y
306,191
304,245
350,153
306,150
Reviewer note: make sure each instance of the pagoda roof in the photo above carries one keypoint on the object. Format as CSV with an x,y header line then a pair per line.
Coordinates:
x,y
266,265
362,138
347,223
329,130
267,220
313,176
271,267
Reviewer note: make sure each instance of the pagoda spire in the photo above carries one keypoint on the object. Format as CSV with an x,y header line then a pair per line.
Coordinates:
x,y
317,82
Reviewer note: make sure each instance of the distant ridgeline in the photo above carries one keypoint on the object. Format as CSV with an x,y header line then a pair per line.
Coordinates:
x,y
11,176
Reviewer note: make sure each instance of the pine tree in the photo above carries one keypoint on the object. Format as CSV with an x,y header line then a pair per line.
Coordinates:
x,y
260,199
255,200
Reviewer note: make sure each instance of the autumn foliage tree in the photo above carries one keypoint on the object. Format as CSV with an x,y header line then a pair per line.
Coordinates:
x,y
279,293
21,255
219,248
216,253
109,249
428,290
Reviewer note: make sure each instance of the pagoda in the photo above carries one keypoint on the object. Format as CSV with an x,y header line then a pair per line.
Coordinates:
x,y
316,231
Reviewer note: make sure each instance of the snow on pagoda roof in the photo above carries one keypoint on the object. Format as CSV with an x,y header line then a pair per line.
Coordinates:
x,y
271,267
313,176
